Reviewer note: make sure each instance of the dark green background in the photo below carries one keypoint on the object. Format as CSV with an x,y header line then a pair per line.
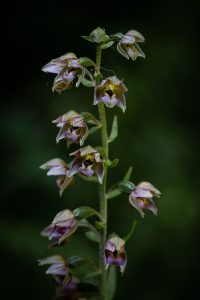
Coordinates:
x,y
158,136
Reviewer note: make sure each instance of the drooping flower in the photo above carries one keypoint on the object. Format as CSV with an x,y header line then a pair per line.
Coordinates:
x,y
66,284
68,68
87,162
73,128
63,225
58,265
111,92
114,252
58,167
141,197
128,45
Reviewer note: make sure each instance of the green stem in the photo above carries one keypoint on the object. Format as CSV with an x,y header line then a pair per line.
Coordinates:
x,y
102,187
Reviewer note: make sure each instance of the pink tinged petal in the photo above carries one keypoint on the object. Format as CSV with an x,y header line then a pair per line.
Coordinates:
x,y
121,50
148,186
138,36
141,193
100,170
63,184
53,162
57,269
128,39
134,202
78,122
54,259
52,68
47,231
57,171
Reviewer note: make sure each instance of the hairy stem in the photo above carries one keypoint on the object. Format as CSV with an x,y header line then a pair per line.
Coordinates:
x,y
102,187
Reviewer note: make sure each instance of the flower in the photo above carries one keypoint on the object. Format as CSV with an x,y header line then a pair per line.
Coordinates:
x,y
72,128
141,197
58,265
87,162
67,67
114,252
111,92
128,45
67,286
58,167
63,225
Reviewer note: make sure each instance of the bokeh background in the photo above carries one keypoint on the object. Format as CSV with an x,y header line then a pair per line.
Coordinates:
x,y
158,136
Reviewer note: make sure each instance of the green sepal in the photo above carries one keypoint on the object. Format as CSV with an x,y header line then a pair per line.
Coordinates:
x,y
86,62
127,237
112,163
126,186
85,212
107,45
112,280
87,83
114,130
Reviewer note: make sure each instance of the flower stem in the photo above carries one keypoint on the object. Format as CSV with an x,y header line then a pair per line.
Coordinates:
x,y
102,187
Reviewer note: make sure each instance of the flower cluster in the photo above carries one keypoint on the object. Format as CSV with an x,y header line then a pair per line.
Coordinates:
x,y
91,163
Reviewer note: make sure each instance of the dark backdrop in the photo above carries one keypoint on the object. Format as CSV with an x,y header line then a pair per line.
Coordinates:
x,y
158,136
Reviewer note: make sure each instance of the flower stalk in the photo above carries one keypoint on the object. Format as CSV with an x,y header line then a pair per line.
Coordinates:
x,y
102,187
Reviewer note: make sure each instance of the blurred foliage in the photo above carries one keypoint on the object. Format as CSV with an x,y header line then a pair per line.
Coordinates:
x,y
158,135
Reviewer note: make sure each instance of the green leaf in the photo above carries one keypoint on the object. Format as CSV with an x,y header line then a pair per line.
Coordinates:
x,y
127,237
112,278
75,261
89,118
85,212
112,163
113,193
94,129
126,186
128,174
114,131
107,45
92,236
95,236
87,83
90,179
98,76
86,62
